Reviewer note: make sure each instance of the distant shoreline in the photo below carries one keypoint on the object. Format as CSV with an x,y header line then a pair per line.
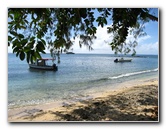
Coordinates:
x,y
129,102
105,54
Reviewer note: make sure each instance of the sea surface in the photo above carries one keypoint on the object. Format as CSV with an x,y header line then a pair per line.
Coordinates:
x,y
77,78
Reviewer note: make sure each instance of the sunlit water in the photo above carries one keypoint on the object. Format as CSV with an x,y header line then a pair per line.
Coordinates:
x,y
78,76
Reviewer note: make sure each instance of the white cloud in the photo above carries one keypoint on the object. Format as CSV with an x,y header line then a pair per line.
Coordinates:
x,y
147,48
100,45
139,40
145,45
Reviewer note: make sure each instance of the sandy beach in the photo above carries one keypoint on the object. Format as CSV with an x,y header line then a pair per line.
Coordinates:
x,y
136,102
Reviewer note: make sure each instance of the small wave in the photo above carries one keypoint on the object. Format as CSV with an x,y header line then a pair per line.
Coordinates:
x,y
98,80
134,73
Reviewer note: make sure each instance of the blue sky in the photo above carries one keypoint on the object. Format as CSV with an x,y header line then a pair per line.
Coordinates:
x,y
146,45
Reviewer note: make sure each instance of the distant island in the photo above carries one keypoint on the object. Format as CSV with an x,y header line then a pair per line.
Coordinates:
x,y
70,53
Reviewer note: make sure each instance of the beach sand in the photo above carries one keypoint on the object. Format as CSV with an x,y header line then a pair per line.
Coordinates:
x,y
138,102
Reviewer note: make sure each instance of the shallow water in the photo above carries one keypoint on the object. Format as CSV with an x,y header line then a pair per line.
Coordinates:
x,y
78,76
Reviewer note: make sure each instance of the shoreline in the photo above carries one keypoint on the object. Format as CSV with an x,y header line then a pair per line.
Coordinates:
x,y
137,101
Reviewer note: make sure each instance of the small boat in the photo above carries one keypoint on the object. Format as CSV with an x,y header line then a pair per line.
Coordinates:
x,y
41,64
122,60
70,53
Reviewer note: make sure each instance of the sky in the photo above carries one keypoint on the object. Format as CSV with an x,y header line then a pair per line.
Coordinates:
x,y
146,45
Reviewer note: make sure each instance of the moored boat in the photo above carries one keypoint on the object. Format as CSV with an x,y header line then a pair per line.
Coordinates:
x,y
122,60
41,64
70,53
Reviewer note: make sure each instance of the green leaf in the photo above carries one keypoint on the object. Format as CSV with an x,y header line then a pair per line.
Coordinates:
x,y
83,12
13,33
23,27
39,36
23,42
16,43
43,52
40,46
16,49
31,58
43,41
31,44
22,55
28,56
17,53
86,21
37,54
32,52
32,38
11,16
104,21
10,38
21,36
101,23
26,21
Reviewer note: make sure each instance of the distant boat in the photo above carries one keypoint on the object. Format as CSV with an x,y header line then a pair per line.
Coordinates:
x,y
122,60
41,65
70,53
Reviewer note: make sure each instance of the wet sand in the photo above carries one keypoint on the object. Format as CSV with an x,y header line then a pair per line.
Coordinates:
x,y
127,103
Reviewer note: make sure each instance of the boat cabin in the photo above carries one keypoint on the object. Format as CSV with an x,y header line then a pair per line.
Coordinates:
x,y
40,62
42,65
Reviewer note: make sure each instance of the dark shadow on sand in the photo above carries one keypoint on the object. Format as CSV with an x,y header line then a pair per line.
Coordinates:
x,y
120,107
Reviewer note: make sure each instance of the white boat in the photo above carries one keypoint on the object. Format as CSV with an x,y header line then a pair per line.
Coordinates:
x,y
122,60
41,64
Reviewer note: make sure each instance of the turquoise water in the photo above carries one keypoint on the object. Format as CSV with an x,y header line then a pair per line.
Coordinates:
x,y
77,75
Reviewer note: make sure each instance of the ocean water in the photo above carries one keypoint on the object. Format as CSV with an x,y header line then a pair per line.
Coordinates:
x,y
78,76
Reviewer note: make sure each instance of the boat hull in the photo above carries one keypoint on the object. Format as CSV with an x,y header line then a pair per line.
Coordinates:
x,y
32,66
70,53
124,60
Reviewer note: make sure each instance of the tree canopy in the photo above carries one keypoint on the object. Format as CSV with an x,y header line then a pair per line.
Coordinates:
x,y
31,30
